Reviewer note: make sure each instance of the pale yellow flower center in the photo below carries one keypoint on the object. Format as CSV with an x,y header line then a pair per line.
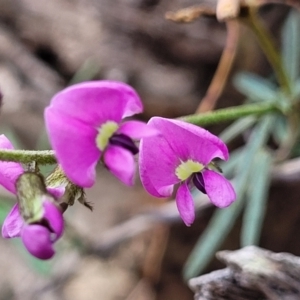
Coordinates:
x,y
105,132
187,168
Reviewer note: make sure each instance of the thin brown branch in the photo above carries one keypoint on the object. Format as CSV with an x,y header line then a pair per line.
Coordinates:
x,y
190,14
221,75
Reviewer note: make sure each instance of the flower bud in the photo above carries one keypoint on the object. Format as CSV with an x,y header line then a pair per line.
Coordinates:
x,y
30,193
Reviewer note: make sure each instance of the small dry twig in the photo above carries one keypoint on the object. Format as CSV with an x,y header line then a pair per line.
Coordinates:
x,y
220,78
190,14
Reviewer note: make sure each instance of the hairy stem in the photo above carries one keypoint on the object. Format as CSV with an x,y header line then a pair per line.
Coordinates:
x,y
230,114
45,157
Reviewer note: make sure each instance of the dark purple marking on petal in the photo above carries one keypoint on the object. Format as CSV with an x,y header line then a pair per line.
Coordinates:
x,y
199,182
53,218
125,142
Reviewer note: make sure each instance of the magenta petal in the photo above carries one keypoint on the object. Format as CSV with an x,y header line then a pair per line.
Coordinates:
x,y
54,217
185,204
5,142
189,141
121,163
13,223
37,240
219,190
137,130
75,146
96,102
9,171
146,181
157,163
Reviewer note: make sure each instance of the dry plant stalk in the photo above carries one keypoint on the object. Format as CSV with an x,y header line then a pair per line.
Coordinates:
x,y
219,80
190,14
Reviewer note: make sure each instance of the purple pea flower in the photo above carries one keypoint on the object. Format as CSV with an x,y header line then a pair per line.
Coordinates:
x,y
183,155
44,222
84,126
39,234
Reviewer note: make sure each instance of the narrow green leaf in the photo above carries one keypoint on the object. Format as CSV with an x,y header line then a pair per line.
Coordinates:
x,y
257,194
255,87
223,220
280,129
237,128
229,167
87,71
212,238
291,45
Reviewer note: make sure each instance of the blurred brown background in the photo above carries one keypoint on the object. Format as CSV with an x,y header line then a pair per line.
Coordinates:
x,y
46,45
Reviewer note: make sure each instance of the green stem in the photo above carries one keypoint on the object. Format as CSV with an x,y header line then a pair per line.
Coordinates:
x,y
268,46
229,114
221,115
45,157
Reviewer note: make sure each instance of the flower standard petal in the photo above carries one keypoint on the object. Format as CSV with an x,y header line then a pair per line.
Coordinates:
x,y
13,223
219,148
96,102
5,142
218,189
75,147
121,163
189,141
37,240
157,163
185,204
137,130
9,171
54,217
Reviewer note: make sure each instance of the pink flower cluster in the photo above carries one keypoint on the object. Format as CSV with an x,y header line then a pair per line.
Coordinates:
x,y
86,125
39,234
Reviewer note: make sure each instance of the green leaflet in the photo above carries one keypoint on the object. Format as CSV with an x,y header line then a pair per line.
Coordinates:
x,y
87,71
255,87
237,128
257,195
